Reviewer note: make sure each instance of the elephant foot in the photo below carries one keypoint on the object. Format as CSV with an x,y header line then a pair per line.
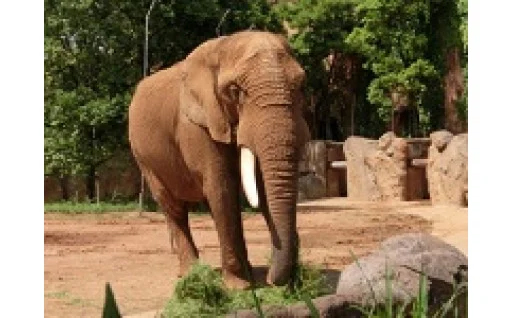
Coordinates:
x,y
234,282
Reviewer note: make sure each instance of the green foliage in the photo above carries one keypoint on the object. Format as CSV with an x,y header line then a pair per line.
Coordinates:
x,y
401,43
462,8
202,284
318,29
202,293
392,37
93,57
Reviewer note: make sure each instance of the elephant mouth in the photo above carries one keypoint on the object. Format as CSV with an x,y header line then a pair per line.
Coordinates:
x,y
248,173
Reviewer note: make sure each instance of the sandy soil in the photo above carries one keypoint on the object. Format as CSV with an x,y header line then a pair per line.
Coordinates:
x,y
133,253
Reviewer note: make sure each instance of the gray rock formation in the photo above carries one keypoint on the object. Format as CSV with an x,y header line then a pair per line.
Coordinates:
x,y
402,258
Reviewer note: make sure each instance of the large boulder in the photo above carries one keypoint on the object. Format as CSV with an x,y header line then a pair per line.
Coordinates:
x,y
400,260
447,168
376,169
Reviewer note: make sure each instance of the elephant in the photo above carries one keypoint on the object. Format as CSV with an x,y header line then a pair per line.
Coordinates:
x,y
227,117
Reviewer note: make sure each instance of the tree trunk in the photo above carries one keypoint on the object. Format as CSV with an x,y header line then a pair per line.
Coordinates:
x,y
90,182
350,66
344,72
453,90
405,114
64,187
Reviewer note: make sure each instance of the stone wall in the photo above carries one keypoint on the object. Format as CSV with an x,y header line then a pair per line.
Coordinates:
x,y
447,168
376,170
382,170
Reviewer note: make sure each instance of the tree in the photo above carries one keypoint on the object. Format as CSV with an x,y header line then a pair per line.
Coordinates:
x,y
317,34
87,80
93,61
392,37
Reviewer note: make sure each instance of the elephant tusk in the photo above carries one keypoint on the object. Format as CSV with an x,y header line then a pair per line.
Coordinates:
x,y
248,172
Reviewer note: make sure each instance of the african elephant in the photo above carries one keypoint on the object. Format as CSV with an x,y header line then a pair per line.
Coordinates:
x,y
233,97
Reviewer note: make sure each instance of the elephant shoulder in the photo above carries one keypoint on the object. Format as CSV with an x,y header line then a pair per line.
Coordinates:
x,y
160,80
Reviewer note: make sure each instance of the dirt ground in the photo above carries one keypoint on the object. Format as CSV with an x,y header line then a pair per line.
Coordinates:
x,y
132,252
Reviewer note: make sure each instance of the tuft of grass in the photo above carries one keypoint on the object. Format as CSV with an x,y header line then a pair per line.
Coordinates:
x,y
69,207
202,293
202,284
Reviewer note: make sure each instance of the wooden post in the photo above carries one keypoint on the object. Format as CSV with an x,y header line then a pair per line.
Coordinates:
x,y
97,181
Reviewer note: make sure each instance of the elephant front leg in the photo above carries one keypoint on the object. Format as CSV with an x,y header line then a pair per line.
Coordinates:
x,y
225,208
222,192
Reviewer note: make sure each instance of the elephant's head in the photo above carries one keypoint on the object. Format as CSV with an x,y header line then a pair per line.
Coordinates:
x,y
246,88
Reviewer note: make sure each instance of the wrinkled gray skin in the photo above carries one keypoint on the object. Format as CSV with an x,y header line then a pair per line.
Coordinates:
x,y
187,124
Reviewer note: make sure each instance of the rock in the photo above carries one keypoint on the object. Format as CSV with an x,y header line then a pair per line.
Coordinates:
x,y
404,256
386,140
447,169
376,170
440,139
360,184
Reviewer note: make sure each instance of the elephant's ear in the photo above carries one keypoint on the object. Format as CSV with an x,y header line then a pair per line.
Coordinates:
x,y
198,98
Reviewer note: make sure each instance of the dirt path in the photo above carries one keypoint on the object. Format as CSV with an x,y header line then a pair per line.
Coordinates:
x,y
83,252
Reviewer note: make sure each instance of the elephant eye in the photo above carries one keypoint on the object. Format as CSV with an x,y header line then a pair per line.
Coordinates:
x,y
233,92
232,96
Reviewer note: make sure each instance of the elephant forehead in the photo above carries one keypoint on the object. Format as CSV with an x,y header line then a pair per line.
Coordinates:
x,y
245,46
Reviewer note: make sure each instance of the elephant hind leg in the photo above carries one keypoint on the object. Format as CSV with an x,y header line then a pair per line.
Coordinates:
x,y
178,226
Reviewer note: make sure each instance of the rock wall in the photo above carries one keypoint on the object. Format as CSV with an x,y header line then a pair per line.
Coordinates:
x,y
447,168
376,170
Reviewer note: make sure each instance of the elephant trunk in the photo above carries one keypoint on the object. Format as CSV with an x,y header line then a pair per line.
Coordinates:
x,y
278,158
268,128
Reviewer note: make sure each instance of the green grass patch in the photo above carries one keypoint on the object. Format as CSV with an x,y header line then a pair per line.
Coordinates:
x,y
202,293
70,207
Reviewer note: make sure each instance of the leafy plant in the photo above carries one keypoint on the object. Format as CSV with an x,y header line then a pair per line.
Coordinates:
x,y
202,293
